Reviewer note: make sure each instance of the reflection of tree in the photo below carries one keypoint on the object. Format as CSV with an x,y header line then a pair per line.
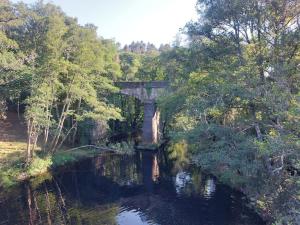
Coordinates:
x,y
31,211
104,214
121,169
178,154
48,206
128,170
61,204
194,183
197,181
93,191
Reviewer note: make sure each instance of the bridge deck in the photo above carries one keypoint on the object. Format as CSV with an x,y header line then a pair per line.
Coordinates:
x,y
139,84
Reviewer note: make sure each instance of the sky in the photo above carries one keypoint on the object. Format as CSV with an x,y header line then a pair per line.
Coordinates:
x,y
154,21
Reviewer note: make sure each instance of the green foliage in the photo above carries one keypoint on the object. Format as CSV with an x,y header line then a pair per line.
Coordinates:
x,y
65,157
64,70
130,64
11,57
235,100
8,176
232,107
39,166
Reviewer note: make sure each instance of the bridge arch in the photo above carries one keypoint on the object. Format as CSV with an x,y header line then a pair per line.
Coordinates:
x,y
147,92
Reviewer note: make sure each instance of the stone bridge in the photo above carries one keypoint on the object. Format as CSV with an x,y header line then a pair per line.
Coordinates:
x,y
147,93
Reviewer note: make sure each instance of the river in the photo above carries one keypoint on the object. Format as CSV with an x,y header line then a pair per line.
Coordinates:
x,y
139,189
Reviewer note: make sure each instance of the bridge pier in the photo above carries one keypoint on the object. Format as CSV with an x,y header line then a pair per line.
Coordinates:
x,y
150,130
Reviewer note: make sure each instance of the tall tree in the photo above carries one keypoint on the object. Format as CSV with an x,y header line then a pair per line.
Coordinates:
x,y
11,57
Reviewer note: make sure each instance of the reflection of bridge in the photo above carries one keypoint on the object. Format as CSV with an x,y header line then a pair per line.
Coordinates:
x,y
147,93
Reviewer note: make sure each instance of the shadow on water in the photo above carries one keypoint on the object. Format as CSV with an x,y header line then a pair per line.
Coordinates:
x,y
128,190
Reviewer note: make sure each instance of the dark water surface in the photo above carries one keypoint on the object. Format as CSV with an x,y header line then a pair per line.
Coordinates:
x,y
126,190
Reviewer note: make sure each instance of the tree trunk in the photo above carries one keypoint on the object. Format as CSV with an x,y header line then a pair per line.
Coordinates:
x,y
60,126
260,55
47,128
18,108
29,134
66,136
76,124
36,135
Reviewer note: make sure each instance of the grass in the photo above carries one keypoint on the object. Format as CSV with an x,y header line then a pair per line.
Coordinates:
x,y
11,151
12,158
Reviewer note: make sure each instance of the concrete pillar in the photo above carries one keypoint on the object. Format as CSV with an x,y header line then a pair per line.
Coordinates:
x,y
151,124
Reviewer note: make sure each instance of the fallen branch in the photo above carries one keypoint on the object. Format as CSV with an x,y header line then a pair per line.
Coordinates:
x,y
91,146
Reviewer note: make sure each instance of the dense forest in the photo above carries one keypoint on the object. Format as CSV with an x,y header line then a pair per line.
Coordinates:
x,y
233,105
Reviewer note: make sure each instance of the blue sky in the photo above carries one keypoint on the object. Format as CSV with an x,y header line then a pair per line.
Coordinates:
x,y
155,21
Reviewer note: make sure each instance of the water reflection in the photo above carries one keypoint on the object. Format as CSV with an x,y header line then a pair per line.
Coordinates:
x,y
155,169
114,189
131,217
210,188
182,179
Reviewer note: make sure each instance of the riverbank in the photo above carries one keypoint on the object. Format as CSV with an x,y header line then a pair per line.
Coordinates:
x,y
239,161
14,170
276,202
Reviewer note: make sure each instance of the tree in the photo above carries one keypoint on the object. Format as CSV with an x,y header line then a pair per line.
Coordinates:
x,y
130,64
238,96
11,58
69,72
